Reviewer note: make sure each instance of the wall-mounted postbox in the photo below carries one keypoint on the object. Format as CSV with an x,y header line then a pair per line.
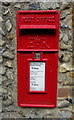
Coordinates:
x,y
37,57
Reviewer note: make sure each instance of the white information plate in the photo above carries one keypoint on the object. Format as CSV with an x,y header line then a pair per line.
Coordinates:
x,y
37,76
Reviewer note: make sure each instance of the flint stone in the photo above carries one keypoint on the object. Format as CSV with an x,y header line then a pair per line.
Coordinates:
x,y
0,79
63,68
8,25
65,39
6,3
8,102
2,91
1,19
1,59
17,6
12,115
71,67
2,32
34,6
71,74
2,70
64,26
9,74
10,47
68,21
66,57
10,37
68,81
6,12
4,78
2,49
0,109
61,36
70,100
4,97
8,54
49,5
63,46
65,5
66,114
9,83
2,42
12,109
69,48
70,35
63,15
9,64
62,104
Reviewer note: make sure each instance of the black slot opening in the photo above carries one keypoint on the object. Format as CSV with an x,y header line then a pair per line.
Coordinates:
x,y
37,31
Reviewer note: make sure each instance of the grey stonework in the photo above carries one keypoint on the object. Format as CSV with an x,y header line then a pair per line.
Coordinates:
x,y
8,60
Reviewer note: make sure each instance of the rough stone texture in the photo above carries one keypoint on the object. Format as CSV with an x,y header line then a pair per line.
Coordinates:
x,y
1,20
10,37
1,59
2,32
63,46
2,70
6,12
66,114
8,103
63,104
8,25
63,68
33,6
49,5
9,74
71,74
8,54
66,57
8,61
65,39
9,64
2,42
3,91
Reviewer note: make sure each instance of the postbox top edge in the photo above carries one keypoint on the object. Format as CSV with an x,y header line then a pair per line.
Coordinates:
x,y
38,11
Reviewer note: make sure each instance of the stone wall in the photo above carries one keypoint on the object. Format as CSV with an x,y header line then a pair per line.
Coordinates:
x,y
8,61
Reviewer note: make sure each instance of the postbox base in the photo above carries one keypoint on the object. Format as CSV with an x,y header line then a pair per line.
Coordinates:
x,y
34,105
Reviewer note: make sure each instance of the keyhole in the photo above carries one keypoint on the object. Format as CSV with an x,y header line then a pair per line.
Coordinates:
x,y
26,77
37,55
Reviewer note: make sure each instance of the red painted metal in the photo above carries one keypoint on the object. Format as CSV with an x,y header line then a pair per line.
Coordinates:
x,y
37,31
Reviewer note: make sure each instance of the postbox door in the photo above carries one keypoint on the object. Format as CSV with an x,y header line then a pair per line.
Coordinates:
x,y
36,89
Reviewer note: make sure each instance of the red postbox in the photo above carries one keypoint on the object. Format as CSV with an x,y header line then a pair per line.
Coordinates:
x,y
37,57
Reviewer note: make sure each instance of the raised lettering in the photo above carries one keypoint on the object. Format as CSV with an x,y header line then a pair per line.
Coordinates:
x,y
38,42
38,19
